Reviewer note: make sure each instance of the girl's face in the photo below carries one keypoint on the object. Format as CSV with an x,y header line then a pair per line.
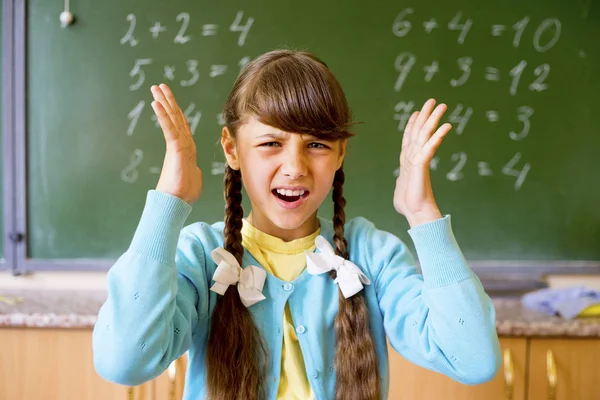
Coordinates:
x,y
286,175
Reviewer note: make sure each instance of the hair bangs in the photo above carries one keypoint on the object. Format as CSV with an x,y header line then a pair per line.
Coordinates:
x,y
300,95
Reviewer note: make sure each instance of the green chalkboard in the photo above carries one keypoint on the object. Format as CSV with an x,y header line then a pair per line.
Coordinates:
x,y
518,173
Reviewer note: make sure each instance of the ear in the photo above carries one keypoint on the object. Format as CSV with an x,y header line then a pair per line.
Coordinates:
x,y
230,149
342,154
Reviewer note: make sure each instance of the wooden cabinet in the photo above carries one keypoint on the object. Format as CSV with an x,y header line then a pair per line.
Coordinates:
x,y
57,364
51,364
532,368
567,369
409,382
167,389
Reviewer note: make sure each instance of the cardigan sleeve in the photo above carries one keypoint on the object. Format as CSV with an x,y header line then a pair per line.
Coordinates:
x,y
157,301
440,319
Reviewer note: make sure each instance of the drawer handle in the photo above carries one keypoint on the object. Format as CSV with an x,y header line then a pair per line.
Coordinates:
x,y
551,374
131,393
172,371
509,375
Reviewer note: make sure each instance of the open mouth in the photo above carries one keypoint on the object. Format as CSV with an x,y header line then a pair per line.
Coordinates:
x,y
290,196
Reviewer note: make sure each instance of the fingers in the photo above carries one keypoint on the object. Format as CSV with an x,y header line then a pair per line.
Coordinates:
x,y
434,142
159,95
166,124
431,123
407,137
418,140
173,104
424,114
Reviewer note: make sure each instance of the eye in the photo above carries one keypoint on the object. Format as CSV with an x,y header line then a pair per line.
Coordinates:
x,y
316,145
269,144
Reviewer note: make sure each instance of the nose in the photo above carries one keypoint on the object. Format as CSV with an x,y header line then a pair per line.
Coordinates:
x,y
294,165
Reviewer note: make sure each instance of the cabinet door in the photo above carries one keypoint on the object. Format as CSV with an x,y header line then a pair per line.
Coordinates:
x,y
409,381
54,364
564,369
166,388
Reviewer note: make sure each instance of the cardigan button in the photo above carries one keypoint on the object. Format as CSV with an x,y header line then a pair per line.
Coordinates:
x,y
300,329
288,287
315,374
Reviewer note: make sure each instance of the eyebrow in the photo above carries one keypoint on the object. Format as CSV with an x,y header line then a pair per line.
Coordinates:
x,y
273,135
282,135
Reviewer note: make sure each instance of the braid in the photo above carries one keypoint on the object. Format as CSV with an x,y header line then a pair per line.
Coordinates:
x,y
339,215
233,213
356,367
235,353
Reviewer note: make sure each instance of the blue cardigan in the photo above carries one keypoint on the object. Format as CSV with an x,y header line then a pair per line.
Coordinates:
x,y
159,304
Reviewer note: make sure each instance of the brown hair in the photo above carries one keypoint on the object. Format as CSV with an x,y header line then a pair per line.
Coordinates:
x,y
295,92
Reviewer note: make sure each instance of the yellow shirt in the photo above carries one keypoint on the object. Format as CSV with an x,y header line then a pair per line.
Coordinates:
x,y
285,260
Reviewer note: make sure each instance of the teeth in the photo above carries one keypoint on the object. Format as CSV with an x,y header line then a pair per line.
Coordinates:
x,y
290,192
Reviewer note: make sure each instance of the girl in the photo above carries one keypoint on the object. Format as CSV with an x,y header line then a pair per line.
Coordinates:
x,y
285,304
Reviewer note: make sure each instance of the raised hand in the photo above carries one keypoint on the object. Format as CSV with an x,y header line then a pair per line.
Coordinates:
x,y
180,176
413,196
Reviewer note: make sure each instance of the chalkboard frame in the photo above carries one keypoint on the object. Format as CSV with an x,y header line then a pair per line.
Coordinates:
x,y
14,164
7,69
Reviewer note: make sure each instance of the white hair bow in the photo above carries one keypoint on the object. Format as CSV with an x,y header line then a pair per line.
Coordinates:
x,y
349,277
249,280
